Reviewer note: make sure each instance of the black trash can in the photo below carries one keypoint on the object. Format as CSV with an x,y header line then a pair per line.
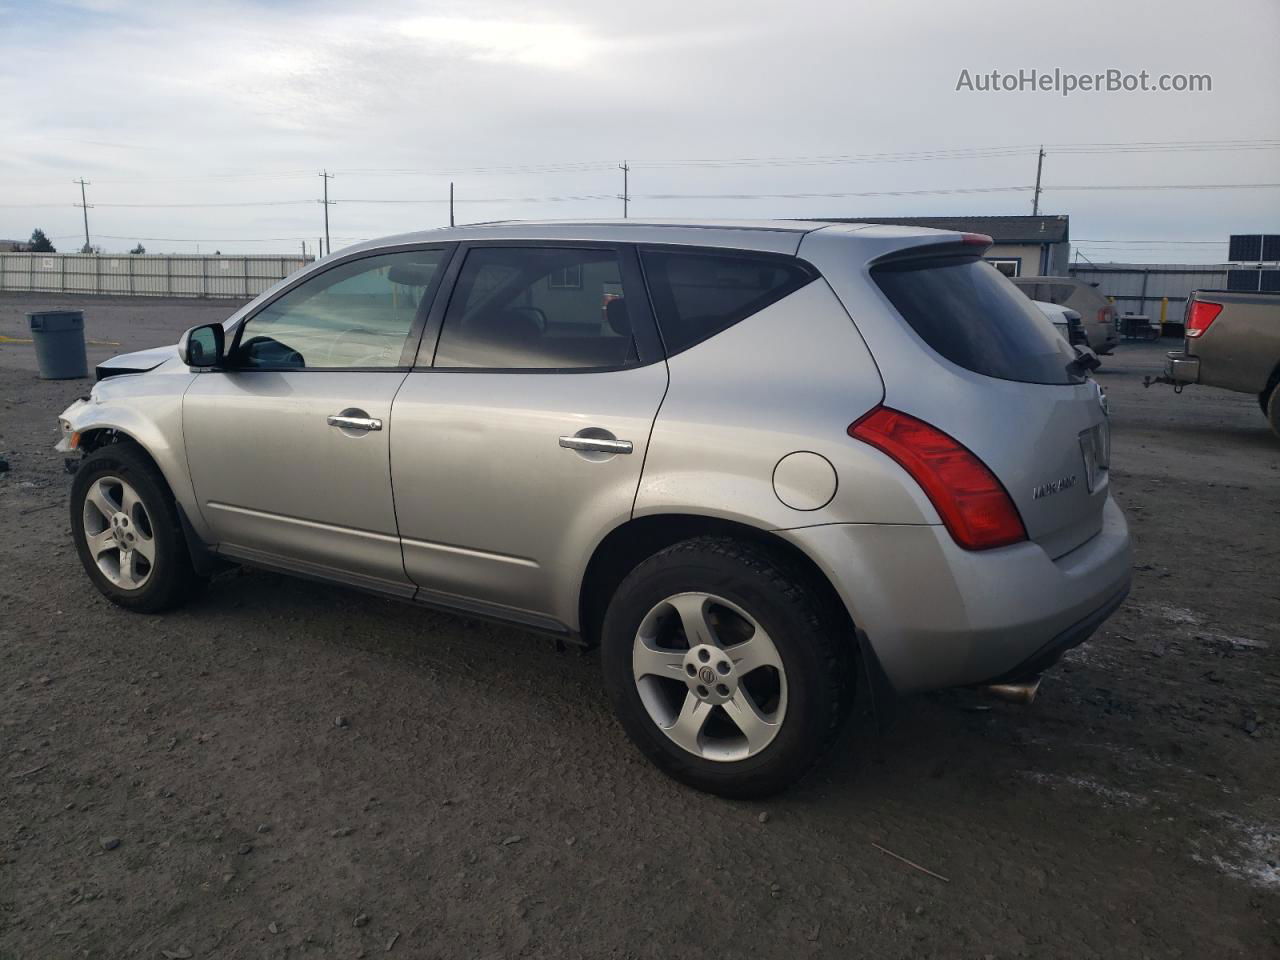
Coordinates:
x,y
58,336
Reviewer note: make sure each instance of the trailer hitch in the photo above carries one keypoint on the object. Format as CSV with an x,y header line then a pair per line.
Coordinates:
x,y
1177,385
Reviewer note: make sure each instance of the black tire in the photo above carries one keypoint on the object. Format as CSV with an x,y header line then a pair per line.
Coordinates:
x,y
1273,410
815,646
171,579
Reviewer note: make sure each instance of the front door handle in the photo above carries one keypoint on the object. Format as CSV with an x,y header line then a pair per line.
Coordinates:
x,y
346,421
596,445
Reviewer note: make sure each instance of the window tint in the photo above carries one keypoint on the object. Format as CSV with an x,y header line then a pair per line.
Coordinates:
x,y
966,311
696,295
357,314
538,308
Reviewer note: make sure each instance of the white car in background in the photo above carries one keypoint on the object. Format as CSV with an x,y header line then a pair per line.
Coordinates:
x,y
1065,320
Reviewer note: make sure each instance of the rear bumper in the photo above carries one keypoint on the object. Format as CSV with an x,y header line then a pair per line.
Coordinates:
x,y
1181,368
1073,636
938,616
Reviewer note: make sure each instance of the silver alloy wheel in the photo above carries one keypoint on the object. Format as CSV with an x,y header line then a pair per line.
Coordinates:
x,y
118,532
709,676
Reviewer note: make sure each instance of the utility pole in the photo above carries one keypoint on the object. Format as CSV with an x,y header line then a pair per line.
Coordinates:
x,y
84,207
326,176
1035,200
451,203
626,193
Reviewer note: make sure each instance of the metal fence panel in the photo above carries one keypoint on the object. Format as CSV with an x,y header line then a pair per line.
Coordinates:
x,y
1139,287
145,275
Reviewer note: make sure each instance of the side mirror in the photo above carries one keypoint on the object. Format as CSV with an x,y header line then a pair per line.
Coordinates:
x,y
203,346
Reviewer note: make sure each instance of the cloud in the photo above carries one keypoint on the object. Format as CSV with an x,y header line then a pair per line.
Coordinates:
x,y
143,98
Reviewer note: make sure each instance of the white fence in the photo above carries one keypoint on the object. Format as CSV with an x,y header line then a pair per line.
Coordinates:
x,y
144,275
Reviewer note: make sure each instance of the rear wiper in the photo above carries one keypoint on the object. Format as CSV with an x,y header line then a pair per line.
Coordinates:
x,y
1086,362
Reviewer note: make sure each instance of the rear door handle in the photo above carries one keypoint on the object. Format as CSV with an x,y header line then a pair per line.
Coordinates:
x,y
596,445
347,422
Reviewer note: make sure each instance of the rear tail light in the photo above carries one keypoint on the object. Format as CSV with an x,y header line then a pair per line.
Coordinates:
x,y
1201,317
974,505
975,239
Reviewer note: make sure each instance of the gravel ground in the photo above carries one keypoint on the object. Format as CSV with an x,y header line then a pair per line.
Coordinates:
x,y
284,769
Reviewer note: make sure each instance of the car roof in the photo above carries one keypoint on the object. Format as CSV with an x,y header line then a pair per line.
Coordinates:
x,y
767,236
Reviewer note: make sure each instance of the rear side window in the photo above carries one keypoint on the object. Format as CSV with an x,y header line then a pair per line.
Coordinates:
x,y
538,308
697,294
969,313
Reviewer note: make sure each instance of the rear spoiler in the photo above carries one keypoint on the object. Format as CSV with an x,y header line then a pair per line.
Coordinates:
x,y
960,246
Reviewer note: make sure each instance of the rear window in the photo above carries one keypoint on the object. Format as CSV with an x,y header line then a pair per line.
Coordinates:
x,y
696,295
969,313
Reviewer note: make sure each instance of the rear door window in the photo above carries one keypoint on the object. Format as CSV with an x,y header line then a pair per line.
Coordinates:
x,y
697,294
539,308
973,316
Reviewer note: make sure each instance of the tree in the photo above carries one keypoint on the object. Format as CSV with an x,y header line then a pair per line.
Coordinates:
x,y
139,249
39,243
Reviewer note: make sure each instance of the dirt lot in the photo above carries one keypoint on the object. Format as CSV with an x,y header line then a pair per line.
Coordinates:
x,y
284,769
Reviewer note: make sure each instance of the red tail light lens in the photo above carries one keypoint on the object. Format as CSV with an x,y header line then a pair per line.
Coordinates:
x,y
1201,317
973,504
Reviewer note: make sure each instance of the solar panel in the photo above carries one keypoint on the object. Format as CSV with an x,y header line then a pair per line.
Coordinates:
x,y
1243,280
1245,247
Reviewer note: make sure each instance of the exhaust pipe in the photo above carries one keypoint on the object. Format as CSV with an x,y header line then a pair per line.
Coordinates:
x,y
1022,693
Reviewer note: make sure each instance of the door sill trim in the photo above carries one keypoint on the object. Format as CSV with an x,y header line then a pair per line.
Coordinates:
x,y
316,571
495,612
436,600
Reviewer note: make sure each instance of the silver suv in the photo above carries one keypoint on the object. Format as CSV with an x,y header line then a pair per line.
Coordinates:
x,y
753,462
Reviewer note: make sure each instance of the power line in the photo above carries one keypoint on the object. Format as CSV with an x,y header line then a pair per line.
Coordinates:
x,y
110,236
813,195
238,203
417,200
1170,186
588,166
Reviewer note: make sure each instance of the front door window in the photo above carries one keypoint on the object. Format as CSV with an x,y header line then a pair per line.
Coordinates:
x,y
357,315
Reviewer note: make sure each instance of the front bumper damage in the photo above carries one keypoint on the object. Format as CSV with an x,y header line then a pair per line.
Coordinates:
x,y
70,439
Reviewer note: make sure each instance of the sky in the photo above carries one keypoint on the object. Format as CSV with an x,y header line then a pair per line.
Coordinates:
x,y
206,124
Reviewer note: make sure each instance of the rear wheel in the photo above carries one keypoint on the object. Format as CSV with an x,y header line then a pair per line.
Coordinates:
x,y
1273,410
127,533
724,668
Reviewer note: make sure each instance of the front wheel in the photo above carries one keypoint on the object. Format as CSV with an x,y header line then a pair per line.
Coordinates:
x,y
725,668
1273,410
127,532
